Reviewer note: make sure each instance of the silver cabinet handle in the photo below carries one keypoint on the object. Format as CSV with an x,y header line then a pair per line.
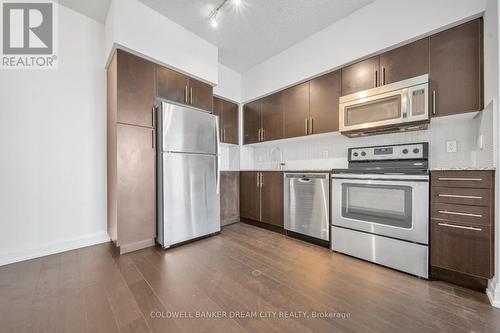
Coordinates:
x,y
376,78
460,196
153,139
191,95
434,102
258,135
461,179
186,94
153,109
383,75
223,135
258,179
307,126
459,227
261,179
263,134
460,214
311,125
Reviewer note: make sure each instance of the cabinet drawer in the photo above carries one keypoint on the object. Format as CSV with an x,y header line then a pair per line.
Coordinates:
x,y
460,213
461,248
461,196
469,179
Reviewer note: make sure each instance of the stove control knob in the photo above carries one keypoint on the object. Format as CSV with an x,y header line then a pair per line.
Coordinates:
x,y
355,154
405,151
416,151
363,153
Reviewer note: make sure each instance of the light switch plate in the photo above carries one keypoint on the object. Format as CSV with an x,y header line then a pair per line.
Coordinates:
x,y
451,146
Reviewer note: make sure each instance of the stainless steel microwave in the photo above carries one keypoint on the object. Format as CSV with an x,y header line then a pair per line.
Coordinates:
x,y
398,106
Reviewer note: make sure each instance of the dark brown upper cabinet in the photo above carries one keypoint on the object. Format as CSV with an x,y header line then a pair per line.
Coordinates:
x,y
200,94
456,69
325,92
295,104
272,117
361,76
252,122
135,89
405,62
172,85
180,88
228,120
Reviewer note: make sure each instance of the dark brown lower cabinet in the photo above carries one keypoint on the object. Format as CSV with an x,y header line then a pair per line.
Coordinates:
x,y
229,197
261,197
135,187
272,198
250,195
462,227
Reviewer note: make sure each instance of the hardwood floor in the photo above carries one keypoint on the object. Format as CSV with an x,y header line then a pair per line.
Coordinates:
x,y
244,270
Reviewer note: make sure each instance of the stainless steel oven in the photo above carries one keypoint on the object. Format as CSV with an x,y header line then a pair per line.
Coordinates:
x,y
380,207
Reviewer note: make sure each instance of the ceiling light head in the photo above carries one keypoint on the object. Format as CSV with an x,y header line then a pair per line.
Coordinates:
x,y
237,2
213,21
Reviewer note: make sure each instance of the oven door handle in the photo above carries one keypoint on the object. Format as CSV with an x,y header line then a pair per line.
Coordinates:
x,y
408,178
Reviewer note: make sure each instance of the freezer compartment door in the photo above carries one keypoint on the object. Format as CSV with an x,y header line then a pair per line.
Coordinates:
x,y
191,203
185,129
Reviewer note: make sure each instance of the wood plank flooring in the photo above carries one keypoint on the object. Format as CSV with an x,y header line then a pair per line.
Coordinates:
x,y
247,279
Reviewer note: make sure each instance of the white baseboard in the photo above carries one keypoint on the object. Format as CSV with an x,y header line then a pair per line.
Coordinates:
x,y
493,292
54,247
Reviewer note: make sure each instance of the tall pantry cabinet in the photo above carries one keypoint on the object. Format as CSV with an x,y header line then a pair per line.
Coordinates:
x,y
131,151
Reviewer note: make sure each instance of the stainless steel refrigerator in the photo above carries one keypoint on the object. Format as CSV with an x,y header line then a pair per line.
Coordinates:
x,y
188,174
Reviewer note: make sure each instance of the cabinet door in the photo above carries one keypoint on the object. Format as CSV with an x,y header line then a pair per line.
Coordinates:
x,y
229,197
136,204
136,90
200,95
272,117
172,85
230,122
461,250
295,104
405,62
249,196
456,69
324,103
360,76
252,121
272,198
218,111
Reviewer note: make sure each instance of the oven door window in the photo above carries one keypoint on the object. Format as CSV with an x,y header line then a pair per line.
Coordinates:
x,y
389,205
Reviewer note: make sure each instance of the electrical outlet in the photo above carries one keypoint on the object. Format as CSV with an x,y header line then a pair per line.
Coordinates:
x,y
451,146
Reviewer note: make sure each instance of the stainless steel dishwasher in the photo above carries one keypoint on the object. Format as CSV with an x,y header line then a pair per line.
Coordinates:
x,y
307,198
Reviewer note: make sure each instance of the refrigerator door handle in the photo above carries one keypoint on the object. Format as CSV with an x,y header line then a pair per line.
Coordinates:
x,y
217,138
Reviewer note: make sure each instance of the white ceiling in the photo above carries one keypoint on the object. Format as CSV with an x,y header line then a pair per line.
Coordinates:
x,y
258,29
96,9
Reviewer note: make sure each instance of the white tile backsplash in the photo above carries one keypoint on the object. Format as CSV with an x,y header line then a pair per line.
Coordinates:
x,y
330,150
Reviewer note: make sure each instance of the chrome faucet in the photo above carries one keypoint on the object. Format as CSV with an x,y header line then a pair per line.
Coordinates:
x,y
281,163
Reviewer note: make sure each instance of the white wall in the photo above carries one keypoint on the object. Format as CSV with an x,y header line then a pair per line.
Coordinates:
x,y
229,85
137,27
492,86
52,148
380,25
